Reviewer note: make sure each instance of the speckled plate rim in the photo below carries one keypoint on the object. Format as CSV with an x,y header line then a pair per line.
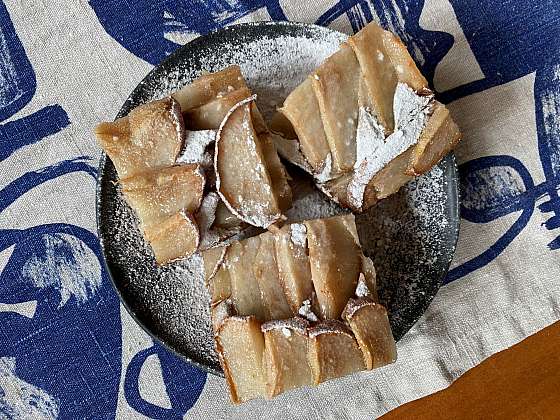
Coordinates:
x,y
452,186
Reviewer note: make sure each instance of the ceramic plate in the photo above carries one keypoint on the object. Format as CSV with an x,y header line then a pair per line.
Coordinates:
x,y
410,236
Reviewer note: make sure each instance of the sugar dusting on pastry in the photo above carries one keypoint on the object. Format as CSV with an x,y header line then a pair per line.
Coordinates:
x,y
287,326
256,213
196,143
361,289
374,151
355,305
298,234
329,327
326,173
306,311
205,218
370,135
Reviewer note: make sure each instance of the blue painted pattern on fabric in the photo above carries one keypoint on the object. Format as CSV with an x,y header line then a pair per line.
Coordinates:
x,y
143,26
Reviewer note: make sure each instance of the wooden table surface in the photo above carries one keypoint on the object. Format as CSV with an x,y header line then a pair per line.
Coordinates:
x,y
522,382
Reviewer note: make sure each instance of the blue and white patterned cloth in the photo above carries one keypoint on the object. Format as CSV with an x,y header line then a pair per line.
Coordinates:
x,y
68,349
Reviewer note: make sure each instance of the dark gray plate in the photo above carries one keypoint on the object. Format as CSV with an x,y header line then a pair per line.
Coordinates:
x,y
410,236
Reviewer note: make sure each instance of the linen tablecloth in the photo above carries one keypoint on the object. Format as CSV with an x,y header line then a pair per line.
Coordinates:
x,y
68,349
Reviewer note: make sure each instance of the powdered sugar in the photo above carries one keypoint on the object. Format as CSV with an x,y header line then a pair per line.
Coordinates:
x,y
356,304
410,110
370,135
326,172
286,331
272,66
298,234
196,143
309,203
296,324
374,152
410,238
361,289
329,327
306,311
274,76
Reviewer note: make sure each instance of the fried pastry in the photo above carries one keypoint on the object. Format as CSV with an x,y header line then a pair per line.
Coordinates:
x,y
290,245
240,346
333,351
266,271
245,291
317,264
300,281
216,276
149,137
369,323
169,183
212,260
367,281
335,260
246,272
366,121
173,238
210,115
285,355
220,285
157,194
209,103
301,109
335,84
209,87
220,311
244,179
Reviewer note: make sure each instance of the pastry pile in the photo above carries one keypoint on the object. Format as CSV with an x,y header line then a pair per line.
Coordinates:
x,y
296,305
365,122
197,166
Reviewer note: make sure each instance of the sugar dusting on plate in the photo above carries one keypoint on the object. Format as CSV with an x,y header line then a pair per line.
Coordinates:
x,y
272,67
408,237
